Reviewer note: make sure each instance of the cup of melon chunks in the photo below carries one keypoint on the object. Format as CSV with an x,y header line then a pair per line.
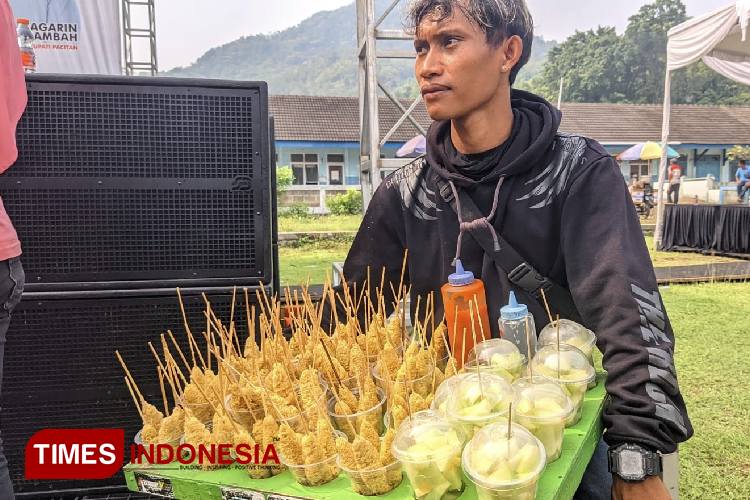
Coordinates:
x,y
541,406
571,333
497,356
429,448
502,465
477,400
442,394
568,367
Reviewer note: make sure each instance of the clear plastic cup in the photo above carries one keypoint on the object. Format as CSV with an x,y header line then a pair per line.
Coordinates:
x,y
571,333
301,421
571,369
314,474
429,448
497,356
350,424
542,406
477,400
376,481
424,386
443,392
504,467
243,415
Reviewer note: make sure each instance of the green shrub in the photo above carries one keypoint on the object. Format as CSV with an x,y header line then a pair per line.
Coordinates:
x,y
296,211
349,203
284,179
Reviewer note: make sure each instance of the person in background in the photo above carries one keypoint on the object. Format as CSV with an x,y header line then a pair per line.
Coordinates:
x,y
12,278
743,180
675,176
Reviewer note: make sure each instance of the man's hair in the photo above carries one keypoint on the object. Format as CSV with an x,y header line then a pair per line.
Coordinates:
x,y
498,19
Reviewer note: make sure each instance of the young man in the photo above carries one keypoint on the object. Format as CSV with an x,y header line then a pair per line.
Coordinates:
x,y
675,178
558,200
12,278
743,180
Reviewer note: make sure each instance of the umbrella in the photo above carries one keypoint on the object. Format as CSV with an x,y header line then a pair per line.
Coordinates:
x,y
646,151
415,147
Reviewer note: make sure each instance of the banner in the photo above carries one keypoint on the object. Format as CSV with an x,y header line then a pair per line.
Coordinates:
x,y
74,36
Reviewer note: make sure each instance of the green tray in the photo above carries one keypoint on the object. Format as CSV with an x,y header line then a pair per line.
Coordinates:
x,y
559,481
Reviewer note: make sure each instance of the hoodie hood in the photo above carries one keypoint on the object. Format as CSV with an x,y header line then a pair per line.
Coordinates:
x,y
535,125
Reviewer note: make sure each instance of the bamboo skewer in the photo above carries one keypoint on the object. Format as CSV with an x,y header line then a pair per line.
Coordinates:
x,y
479,317
135,399
187,325
163,393
546,306
127,372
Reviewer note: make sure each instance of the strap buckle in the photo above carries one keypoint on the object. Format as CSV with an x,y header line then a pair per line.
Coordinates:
x,y
529,279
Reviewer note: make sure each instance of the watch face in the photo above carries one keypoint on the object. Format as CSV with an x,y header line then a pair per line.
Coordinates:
x,y
631,464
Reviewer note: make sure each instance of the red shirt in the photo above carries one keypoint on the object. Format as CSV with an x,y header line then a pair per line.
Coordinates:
x,y
12,104
675,173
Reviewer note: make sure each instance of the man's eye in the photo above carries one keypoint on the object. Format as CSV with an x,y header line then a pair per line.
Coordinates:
x,y
420,49
451,41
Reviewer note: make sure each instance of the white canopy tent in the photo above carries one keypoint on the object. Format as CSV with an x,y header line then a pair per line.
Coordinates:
x,y
721,40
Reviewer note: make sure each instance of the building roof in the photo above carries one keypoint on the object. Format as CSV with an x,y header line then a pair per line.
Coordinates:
x,y
336,119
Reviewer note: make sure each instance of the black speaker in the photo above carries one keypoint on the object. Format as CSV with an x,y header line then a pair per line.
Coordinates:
x,y
124,189
143,183
61,371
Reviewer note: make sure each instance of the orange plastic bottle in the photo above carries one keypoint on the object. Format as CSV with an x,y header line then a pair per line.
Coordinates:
x,y
459,295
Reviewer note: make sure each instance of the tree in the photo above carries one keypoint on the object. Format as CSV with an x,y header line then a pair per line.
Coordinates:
x,y
644,46
590,64
602,66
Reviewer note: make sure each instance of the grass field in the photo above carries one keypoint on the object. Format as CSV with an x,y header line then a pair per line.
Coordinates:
x,y
713,365
319,223
313,259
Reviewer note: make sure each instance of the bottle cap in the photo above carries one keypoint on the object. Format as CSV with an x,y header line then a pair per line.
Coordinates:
x,y
513,310
461,277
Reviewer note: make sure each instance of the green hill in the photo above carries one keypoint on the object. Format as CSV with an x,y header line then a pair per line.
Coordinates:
x,y
317,57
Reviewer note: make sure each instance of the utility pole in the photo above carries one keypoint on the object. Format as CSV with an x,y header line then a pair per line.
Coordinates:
x,y
368,34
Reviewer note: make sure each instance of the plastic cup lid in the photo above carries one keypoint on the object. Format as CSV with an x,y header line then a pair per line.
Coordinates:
x,y
493,461
425,437
540,398
571,333
479,396
569,365
498,352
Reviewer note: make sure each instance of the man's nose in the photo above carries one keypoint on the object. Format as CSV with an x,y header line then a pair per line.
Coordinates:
x,y
431,64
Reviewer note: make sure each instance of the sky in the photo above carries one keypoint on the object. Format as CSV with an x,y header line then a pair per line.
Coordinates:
x,y
185,29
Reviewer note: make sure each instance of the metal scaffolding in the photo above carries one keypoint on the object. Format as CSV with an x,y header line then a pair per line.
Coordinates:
x,y
139,23
368,33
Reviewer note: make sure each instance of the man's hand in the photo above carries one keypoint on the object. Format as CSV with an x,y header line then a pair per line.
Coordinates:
x,y
651,488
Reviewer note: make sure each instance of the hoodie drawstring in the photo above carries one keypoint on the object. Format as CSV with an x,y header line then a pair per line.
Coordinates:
x,y
475,224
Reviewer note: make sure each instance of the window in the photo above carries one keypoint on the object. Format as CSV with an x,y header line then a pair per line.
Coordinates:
x,y
305,169
335,170
639,170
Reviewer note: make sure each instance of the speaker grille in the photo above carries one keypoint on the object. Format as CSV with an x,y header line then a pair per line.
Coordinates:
x,y
137,131
147,181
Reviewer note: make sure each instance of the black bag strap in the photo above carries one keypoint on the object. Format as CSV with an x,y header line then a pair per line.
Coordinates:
x,y
519,271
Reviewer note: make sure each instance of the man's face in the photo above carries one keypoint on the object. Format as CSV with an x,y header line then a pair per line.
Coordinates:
x,y
457,69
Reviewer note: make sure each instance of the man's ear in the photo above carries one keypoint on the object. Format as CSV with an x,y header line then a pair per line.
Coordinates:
x,y
512,50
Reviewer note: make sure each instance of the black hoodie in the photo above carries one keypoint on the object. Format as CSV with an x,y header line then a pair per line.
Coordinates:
x,y
565,208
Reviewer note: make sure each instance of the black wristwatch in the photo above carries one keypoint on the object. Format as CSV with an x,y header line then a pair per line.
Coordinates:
x,y
633,463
